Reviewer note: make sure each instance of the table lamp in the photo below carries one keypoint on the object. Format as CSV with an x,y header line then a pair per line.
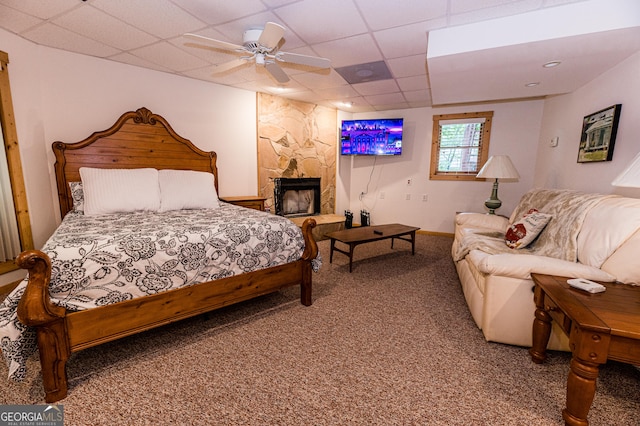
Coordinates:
x,y
498,167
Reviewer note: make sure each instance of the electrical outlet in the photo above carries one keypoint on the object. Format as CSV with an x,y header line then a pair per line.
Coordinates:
x,y
409,181
382,195
408,197
425,197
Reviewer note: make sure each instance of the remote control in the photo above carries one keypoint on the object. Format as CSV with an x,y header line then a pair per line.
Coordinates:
x,y
377,232
586,285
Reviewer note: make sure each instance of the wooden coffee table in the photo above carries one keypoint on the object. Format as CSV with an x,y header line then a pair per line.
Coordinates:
x,y
365,234
603,326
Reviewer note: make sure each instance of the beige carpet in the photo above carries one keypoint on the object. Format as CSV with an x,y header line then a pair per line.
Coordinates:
x,y
390,344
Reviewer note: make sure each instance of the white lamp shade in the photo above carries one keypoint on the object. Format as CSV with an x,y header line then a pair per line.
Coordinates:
x,y
630,177
498,167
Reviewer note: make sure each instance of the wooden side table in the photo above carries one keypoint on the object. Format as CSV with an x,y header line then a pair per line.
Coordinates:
x,y
602,326
248,201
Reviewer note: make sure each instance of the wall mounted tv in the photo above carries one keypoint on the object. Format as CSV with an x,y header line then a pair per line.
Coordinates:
x,y
382,136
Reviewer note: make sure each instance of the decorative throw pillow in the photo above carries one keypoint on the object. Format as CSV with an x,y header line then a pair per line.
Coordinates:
x,y
77,197
521,233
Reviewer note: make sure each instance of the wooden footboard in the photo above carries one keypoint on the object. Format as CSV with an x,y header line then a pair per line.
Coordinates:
x,y
61,332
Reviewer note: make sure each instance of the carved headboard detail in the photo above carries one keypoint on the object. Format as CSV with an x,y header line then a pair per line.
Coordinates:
x,y
137,139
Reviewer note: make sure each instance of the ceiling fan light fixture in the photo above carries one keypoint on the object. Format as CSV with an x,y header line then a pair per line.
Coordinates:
x,y
263,46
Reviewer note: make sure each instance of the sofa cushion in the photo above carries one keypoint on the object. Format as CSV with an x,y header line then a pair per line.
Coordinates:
x,y
607,226
522,265
521,233
481,220
623,263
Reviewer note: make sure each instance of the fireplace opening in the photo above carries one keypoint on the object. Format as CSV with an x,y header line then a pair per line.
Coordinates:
x,y
296,196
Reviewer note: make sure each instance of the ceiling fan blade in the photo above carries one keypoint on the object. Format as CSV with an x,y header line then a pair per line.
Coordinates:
x,y
271,35
312,61
214,43
226,66
277,72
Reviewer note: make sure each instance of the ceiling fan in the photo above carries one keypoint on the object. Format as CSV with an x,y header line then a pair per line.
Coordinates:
x,y
261,45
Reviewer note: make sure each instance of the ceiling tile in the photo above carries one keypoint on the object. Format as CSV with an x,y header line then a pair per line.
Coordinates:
x,y
417,95
461,6
128,58
358,49
406,40
158,17
223,11
16,21
386,99
408,66
338,92
380,14
319,21
54,36
42,9
419,82
469,12
169,56
99,26
376,87
320,82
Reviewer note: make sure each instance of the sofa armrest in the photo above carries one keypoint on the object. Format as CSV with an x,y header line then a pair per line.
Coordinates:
x,y
522,265
482,220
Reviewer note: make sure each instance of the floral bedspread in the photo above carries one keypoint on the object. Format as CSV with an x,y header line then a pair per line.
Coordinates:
x,y
100,260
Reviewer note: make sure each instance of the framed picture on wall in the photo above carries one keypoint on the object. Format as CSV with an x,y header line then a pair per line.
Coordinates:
x,y
599,135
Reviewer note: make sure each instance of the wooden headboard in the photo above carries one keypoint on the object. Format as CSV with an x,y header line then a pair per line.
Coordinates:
x,y
137,139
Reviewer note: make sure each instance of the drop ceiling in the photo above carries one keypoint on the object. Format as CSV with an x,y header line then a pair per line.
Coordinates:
x,y
438,52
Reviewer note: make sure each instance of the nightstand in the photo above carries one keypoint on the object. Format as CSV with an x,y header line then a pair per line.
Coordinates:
x,y
248,201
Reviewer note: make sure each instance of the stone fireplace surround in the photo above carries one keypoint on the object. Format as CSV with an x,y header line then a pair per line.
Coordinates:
x,y
296,140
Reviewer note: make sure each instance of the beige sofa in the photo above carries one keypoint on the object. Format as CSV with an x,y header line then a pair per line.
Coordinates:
x,y
590,236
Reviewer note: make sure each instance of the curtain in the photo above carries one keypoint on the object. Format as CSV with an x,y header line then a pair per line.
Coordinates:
x,y
9,236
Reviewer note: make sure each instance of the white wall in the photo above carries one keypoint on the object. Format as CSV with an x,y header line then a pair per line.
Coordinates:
x,y
514,132
64,96
558,167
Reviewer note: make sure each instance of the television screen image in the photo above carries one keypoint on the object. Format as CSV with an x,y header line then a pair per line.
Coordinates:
x,y
371,137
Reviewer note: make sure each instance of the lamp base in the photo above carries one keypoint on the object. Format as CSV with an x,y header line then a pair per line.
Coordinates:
x,y
493,203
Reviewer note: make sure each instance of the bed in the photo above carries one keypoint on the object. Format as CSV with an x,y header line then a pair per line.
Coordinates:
x,y
142,140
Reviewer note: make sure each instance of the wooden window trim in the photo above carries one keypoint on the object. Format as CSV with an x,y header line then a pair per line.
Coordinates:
x,y
484,151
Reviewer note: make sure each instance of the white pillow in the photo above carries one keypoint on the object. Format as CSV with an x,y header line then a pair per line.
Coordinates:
x,y
187,189
119,190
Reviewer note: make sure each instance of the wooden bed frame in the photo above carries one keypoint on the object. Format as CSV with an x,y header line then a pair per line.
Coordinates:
x,y
138,139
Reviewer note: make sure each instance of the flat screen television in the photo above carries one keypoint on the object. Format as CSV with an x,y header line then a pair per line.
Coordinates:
x,y
380,136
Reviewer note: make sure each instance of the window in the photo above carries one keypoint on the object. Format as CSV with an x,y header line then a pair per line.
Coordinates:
x,y
460,145
14,214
